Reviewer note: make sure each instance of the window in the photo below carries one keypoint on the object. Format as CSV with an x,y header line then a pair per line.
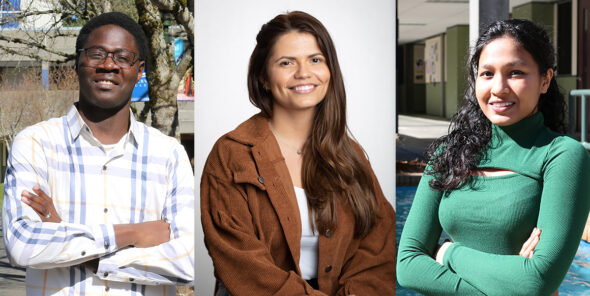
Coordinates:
x,y
7,10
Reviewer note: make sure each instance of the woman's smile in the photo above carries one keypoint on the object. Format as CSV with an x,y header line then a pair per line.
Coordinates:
x,y
298,75
508,84
303,89
501,106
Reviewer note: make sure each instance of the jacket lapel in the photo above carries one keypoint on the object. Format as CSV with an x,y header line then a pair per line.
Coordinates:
x,y
274,175
282,196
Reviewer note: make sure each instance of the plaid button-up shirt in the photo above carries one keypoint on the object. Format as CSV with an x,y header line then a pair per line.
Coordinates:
x,y
146,177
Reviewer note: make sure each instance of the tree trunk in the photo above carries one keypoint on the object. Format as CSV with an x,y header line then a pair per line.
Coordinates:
x,y
161,75
165,109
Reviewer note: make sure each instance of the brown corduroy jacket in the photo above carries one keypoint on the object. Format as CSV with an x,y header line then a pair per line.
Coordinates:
x,y
252,226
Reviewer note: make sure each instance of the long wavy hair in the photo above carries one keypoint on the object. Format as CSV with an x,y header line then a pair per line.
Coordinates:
x,y
333,166
454,157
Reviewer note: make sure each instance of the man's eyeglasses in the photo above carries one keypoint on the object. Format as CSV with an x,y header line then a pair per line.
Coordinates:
x,y
96,56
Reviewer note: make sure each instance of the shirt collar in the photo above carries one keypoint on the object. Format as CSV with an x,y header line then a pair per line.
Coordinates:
x,y
252,132
77,125
135,130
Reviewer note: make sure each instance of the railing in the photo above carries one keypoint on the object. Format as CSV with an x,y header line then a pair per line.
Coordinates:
x,y
585,94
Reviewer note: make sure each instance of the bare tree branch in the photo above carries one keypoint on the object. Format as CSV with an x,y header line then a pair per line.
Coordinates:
x,y
36,56
185,17
164,5
42,36
93,9
19,16
184,63
36,45
69,4
74,8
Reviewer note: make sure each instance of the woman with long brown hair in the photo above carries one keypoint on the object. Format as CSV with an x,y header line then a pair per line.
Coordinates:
x,y
289,203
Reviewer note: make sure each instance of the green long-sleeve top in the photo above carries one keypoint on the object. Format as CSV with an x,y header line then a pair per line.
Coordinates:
x,y
489,219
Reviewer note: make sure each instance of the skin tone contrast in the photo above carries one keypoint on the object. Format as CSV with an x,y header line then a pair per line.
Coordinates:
x,y
508,83
298,77
105,92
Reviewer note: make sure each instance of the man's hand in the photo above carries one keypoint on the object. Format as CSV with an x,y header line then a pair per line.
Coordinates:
x,y
142,235
42,204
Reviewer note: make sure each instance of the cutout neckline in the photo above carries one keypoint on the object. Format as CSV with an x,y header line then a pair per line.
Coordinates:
x,y
491,172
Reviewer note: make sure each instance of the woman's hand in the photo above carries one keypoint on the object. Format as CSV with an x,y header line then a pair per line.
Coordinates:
x,y
42,204
440,253
526,251
529,246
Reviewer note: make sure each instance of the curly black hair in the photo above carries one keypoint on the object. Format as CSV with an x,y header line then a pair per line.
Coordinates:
x,y
453,158
119,19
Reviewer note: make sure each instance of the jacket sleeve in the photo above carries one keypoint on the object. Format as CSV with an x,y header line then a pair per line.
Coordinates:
x,y
171,262
416,268
242,261
30,242
371,269
563,211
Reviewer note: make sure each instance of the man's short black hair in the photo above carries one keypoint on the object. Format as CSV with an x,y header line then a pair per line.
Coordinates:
x,y
119,19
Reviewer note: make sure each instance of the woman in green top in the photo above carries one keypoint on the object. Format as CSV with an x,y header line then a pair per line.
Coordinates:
x,y
503,170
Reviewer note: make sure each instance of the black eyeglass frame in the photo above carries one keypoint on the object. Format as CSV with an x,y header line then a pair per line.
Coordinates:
x,y
135,56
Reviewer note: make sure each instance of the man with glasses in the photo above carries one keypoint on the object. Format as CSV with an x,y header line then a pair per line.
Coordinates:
x,y
96,202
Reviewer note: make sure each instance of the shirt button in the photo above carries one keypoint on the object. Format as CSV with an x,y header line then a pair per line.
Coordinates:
x,y
131,279
83,253
107,288
106,245
105,274
328,233
328,268
106,210
261,180
104,167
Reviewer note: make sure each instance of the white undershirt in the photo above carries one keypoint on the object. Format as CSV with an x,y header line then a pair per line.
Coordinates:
x,y
308,260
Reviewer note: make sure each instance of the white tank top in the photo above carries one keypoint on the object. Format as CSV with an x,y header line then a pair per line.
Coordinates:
x,y
308,260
